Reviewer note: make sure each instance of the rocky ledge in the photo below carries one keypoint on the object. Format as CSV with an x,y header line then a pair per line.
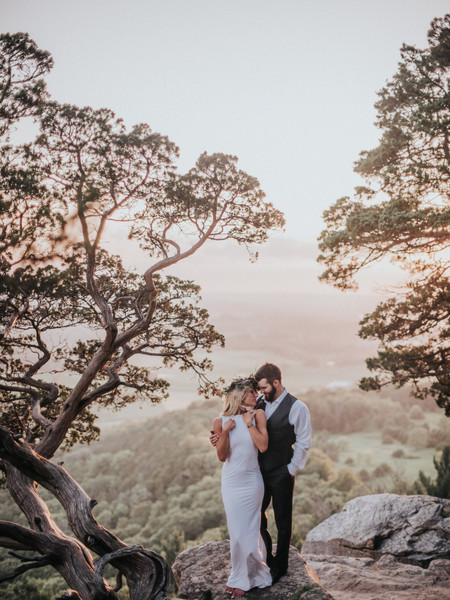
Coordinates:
x,y
384,547
351,578
206,567
413,529
379,547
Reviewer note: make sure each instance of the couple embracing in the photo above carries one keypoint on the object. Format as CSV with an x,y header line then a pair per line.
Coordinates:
x,y
262,442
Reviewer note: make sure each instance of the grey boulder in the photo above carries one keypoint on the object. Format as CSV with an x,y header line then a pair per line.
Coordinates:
x,y
413,529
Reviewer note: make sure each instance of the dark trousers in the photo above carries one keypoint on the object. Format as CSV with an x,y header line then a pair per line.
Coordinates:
x,y
278,487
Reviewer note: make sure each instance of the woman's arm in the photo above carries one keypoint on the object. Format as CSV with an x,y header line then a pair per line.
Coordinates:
x,y
257,432
223,443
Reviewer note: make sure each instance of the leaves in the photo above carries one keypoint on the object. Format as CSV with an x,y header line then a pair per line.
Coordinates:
x,y
22,63
414,115
215,200
440,487
405,216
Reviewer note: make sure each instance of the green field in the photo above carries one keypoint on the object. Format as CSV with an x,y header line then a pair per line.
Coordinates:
x,y
367,451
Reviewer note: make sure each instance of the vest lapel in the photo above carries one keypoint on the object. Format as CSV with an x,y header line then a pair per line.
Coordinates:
x,y
261,404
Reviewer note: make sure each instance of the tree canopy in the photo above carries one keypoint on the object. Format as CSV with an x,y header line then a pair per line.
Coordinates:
x,y
404,214
78,328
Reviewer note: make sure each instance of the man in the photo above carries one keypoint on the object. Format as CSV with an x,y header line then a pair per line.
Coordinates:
x,y
289,428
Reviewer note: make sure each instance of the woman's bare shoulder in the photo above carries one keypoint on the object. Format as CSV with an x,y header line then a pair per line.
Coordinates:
x,y
217,423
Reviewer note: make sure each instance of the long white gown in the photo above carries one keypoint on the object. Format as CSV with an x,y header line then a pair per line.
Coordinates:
x,y
242,493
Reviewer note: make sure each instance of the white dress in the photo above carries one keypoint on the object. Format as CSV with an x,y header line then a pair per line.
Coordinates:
x,y
242,493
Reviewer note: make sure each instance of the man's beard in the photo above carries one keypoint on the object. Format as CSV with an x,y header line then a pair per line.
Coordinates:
x,y
271,395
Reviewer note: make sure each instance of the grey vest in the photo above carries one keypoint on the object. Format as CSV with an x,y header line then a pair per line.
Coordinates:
x,y
281,436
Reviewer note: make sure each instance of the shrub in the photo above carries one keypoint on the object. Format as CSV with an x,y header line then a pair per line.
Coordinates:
x,y
415,413
364,475
320,463
398,453
346,479
387,438
394,432
439,436
382,470
418,437
441,486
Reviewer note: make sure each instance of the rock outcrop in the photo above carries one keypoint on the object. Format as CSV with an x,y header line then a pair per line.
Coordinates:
x,y
384,547
380,547
206,567
413,529
351,578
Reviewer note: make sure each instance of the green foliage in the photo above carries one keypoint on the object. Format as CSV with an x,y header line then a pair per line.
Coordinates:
x,y
170,549
440,487
21,89
306,588
346,480
30,588
405,216
319,463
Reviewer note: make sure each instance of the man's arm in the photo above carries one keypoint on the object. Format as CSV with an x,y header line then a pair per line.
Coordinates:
x,y
214,437
299,418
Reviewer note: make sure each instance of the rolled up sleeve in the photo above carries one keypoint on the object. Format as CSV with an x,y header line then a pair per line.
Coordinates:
x,y
299,418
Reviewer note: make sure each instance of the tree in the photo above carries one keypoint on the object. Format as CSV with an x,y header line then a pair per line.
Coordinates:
x,y
404,216
441,486
22,64
78,328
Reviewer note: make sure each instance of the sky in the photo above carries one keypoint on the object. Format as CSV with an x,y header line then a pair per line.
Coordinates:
x,y
288,86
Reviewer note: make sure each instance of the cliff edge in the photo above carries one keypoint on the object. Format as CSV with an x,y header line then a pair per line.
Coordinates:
x,y
384,547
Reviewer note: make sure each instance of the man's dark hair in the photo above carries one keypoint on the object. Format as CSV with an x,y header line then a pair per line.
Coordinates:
x,y
268,371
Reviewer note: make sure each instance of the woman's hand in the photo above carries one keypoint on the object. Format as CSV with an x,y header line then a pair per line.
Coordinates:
x,y
247,417
259,432
228,426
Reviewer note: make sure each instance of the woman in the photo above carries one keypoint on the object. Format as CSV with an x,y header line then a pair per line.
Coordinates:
x,y
242,432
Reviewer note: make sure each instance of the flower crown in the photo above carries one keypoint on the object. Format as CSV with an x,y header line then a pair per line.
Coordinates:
x,y
241,383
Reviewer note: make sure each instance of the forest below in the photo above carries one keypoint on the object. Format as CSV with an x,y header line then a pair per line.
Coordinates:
x,y
157,483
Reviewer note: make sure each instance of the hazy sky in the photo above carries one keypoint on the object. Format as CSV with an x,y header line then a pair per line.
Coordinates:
x,y
286,85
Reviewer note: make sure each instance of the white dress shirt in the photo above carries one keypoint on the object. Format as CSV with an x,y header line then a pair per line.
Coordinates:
x,y
299,419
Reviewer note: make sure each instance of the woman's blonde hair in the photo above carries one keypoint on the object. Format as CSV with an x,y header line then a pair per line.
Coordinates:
x,y
234,399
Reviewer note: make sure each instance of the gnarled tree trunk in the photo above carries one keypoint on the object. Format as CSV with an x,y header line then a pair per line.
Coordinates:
x,y
145,571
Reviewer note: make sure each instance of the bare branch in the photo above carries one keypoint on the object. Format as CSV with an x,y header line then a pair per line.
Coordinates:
x,y
13,320
32,563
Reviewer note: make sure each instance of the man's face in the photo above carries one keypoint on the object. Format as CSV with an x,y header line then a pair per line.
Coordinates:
x,y
267,389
